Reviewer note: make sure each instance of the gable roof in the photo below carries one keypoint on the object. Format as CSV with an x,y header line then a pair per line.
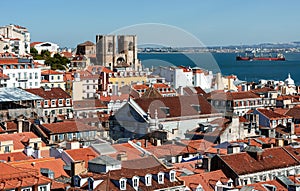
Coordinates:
x,y
56,165
217,95
66,126
178,106
53,93
17,139
272,158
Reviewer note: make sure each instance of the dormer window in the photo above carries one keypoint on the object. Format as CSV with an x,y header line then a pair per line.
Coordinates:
x,y
172,175
160,177
166,110
135,182
122,183
148,180
196,107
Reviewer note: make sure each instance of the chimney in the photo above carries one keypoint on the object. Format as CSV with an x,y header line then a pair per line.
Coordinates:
x,y
20,125
255,152
122,156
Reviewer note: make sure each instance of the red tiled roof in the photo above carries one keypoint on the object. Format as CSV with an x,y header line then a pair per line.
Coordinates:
x,y
16,156
260,185
56,165
178,106
84,154
51,72
263,90
294,112
66,126
207,180
217,95
171,150
272,158
17,138
8,61
12,177
271,114
54,93
86,43
67,54
132,153
35,43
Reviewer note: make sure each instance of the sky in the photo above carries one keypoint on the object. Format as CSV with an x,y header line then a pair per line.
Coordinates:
x,y
212,22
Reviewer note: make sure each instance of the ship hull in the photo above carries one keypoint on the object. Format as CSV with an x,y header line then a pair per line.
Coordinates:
x,y
247,58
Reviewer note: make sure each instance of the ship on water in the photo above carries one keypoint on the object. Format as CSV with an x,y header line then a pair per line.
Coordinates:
x,y
254,57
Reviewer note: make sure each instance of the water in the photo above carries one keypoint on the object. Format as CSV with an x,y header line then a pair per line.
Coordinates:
x,y
226,63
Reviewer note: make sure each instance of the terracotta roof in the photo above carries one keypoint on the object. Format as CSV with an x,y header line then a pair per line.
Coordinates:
x,y
84,154
51,72
65,127
262,90
243,119
17,138
132,153
10,177
152,93
271,114
138,167
178,106
261,186
56,165
67,54
9,61
54,93
86,43
272,158
168,150
294,112
217,95
207,180
35,43
15,156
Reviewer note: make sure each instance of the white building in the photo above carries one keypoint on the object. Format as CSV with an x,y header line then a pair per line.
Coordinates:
x,y
14,39
49,46
21,72
185,76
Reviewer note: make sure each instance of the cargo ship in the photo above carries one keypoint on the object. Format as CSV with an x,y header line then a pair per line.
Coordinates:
x,y
279,57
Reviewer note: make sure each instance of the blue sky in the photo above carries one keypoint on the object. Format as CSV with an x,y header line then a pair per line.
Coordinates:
x,y
213,22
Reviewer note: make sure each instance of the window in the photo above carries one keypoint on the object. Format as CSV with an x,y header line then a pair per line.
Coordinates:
x,y
160,178
135,182
26,189
53,103
172,176
6,149
30,76
35,83
42,188
52,77
58,77
148,179
68,102
46,102
60,101
38,103
166,110
36,75
30,84
122,183
60,111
